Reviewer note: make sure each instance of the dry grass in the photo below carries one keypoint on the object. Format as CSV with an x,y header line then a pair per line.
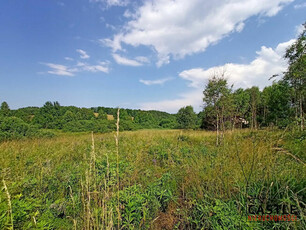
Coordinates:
x,y
110,117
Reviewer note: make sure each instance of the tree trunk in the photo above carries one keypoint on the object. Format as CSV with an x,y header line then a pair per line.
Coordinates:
x,y
217,141
301,113
223,126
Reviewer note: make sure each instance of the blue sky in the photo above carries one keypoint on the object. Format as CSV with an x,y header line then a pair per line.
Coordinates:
x,y
139,54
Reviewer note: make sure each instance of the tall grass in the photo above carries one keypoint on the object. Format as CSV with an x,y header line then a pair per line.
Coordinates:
x,y
149,179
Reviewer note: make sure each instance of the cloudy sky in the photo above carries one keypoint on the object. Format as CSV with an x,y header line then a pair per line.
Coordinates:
x,y
150,54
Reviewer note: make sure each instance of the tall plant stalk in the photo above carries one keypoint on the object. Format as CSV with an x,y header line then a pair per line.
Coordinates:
x,y
117,154
9,202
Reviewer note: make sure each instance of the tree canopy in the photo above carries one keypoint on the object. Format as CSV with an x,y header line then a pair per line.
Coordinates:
x,y
186,118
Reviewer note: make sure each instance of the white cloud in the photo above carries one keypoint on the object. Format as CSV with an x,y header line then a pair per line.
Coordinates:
x,y
299,29
142,59
114,43
101,67
240,27
63,70
110,3
57,69
138,61
128,14
117,2
83,54
179,28
257,73
112,27
68,58
193,98
299,6
267,63
155,82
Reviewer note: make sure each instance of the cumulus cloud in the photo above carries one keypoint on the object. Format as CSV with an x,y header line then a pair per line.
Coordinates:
x,y
138,61
155,82
268,62
83,54
179,28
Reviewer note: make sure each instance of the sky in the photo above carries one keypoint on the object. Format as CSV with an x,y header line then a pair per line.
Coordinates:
x,y
150,54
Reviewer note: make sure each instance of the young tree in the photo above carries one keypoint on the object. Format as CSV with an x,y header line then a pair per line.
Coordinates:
x,y
186,117
216,99
296,74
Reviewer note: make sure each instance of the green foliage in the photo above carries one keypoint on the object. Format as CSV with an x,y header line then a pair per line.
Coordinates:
x,y
295,75
241,102
218,214
15,128
101,126
168,179
141,205
277,104
4,109
218,102
69,118
186,117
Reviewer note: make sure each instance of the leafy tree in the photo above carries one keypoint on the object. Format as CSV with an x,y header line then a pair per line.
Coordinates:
x,y
102,115
5,109
69,116
277,101
186,117
15,128
296,75
26,114
124,115
241,104
217,101
200,118
254,95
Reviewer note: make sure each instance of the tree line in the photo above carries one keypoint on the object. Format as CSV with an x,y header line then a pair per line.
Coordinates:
x,y
278,105
53,116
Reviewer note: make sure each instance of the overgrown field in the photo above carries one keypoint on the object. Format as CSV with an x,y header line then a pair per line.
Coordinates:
x,y
158,179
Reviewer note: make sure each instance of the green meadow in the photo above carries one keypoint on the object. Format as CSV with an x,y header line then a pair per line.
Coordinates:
x,y
153,179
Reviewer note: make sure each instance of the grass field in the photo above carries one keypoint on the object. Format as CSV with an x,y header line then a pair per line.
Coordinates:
x,y
158,179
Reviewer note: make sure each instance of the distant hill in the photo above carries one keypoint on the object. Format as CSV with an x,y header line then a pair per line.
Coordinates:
x,y
99,119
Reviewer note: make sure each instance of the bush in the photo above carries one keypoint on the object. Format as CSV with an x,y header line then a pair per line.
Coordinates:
x,y
16,128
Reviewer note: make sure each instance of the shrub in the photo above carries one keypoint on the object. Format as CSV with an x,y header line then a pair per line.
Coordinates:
x,y
15,128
